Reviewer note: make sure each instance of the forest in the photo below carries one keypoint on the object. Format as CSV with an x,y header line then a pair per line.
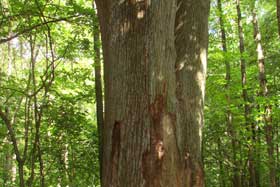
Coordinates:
x,y
139,93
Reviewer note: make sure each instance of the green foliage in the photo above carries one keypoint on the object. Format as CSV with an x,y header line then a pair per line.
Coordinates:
x,y
61,33
217,143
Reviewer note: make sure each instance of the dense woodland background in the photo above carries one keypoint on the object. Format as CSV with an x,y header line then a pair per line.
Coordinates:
x,y
50,82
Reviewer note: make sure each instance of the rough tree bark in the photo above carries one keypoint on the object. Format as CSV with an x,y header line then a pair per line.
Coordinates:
x,y
155,63
191,43
236,180
249,125
269,134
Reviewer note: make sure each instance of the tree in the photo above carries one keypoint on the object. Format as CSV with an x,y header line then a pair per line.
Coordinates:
x,y
263,93
98,88
155,64
247,109
278,15
236,180
32,105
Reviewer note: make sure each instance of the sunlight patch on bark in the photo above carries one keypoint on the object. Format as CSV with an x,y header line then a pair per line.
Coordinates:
x,y
141,14
125,27
201,74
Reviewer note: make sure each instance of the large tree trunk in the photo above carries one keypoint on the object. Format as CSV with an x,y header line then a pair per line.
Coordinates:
x,y
236,180
153,110
191,44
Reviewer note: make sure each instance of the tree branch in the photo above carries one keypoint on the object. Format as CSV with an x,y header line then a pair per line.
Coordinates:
x,y
4,40
9,125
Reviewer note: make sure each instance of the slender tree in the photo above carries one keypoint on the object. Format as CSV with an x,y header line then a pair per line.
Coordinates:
x,y
236,180
263,93
247,110
9,177
98,88
278,15
221,165
14,141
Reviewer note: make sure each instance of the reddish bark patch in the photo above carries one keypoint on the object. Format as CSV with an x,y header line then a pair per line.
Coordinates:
x,y
199,176
152,160
151,169
116,146
116,138
173,119
194,171
157,109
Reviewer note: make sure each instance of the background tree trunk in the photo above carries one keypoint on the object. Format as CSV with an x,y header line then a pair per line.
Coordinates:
x,y
14,170
98,89
247,110
263,93
236,180
222,178
278,15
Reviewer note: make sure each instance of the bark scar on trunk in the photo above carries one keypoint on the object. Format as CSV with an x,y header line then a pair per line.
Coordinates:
x,y
116,146
162,154
152,159
116,138
140,7
194,171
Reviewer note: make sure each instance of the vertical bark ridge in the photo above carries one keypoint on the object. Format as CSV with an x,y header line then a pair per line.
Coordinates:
x,y
142,139
191,47
141,70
